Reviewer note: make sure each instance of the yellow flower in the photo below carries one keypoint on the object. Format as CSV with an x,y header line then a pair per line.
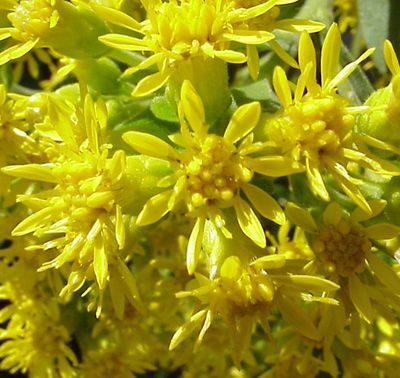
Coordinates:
x,y
30,20
176,31
81,215
316,128
244,294
344,249
210,171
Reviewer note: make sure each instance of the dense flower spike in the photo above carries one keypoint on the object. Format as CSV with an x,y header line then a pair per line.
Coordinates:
x,y
179,30
243,222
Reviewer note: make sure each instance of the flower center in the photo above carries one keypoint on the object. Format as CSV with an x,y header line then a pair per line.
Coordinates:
x,y
183,27
215,172
315,127
32,19
343,248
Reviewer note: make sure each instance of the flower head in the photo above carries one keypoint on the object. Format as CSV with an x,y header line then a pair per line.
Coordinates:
x,y
30,20
210,172
180,30
81,215
243,294
316,128
345,251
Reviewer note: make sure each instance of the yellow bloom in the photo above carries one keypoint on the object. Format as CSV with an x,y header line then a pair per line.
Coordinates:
x,y
81,215
176,31
30,20
244,294
210,172
316,128
344,249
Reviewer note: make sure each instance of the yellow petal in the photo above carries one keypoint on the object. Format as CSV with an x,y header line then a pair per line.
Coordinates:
x,y
316,181
117,296
35,221
253,61
91,124
302,282
391,58
275,166
330,54
206,326
150,84
385,273
360,298
249,223
124,42
249,37
154,209
348,70
231,268
264,204
5,33
154,59
149,145
119,227
278,50
187,329
300,217
36,172
243,121
194,245
270,262
116,17
376,205
17,51
382,231
243,14
332,214
307,58
100,263
127,278
297,25
193,108
281,86
231,56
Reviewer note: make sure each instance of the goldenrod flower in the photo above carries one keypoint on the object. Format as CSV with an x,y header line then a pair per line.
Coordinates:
x,y
175,31
244,294
344,250
33,338
316,128
81,215
210,172
30,20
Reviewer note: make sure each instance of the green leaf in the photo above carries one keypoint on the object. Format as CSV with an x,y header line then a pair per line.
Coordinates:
x,y
163,109
374,18
257,91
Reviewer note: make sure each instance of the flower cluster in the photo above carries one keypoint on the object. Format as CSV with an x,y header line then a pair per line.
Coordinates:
x,y
198,188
